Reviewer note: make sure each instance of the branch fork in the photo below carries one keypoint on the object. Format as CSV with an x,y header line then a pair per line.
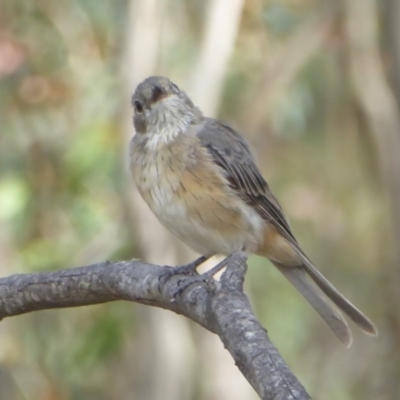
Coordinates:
x,y
219,306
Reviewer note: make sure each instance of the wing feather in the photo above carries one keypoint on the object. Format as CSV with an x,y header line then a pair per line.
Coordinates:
x,y
230,152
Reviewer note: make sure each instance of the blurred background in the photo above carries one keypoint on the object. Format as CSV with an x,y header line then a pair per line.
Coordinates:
x,y
315,87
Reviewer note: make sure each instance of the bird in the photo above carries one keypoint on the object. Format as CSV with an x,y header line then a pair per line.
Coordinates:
x,y
200,178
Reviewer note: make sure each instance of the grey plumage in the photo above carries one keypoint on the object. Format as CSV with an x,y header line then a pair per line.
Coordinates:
x,y
230,151
200,178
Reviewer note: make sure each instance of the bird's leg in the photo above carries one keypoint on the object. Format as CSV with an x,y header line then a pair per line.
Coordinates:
x,y
205,277
214,270
188,269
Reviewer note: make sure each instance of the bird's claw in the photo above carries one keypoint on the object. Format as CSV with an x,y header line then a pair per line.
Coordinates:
x,y
207,277
189,281
188,270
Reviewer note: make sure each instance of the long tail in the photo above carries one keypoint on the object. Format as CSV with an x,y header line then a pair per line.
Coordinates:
x,y
298,277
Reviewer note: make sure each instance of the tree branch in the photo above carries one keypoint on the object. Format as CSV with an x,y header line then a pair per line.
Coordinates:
x,y
221,307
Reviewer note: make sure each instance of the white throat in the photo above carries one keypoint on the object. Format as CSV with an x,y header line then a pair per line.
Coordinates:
x,y
166,122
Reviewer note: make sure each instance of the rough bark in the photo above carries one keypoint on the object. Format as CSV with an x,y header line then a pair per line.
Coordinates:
x,y
219,306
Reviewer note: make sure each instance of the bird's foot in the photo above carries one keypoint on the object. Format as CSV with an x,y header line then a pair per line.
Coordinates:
x,y
206,277
187,270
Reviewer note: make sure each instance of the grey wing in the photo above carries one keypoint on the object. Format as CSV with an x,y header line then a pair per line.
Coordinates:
x,y
230,152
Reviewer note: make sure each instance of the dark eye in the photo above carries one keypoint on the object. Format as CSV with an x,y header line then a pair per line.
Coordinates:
x,y
138,107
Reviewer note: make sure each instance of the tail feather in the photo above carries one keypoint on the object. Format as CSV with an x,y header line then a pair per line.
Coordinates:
x,y
298,278
341,302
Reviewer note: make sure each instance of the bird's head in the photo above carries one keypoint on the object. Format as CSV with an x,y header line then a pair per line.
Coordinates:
x,y
160,106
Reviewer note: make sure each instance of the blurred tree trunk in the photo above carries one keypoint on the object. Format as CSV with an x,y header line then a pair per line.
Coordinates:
x,y
379,106
219,37
391,30
166,360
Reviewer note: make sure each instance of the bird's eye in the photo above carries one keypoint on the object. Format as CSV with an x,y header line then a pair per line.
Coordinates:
x,y
138,107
